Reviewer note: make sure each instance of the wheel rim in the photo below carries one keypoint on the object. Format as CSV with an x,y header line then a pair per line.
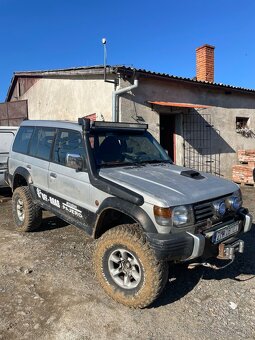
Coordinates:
x,y
124,268
20,210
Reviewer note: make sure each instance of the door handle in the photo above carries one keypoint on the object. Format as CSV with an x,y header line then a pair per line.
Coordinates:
x,y
53,175
29,166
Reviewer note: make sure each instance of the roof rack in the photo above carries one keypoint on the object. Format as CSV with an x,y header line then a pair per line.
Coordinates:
x,y
99,125
118,126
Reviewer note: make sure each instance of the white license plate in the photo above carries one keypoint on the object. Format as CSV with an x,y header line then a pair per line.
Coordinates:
x,y
225,232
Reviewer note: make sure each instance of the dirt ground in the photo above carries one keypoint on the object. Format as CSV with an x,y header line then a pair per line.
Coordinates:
x,y
48,291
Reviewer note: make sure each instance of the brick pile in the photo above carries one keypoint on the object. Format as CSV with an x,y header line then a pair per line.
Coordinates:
x,y
244,173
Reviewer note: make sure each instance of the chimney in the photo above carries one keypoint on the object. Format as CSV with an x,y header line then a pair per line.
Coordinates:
x,y
205,63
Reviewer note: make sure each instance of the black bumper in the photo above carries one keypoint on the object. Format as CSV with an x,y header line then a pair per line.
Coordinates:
x,y
186,246
175,246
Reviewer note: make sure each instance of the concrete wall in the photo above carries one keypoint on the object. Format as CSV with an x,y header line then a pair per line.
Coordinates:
x,y
68,99
225,106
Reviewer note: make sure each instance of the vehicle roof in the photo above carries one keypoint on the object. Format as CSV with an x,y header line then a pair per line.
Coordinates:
x,y
65,124
96,125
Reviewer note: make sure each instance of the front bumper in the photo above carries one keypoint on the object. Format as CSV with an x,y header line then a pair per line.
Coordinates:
x,y
185,246
176,246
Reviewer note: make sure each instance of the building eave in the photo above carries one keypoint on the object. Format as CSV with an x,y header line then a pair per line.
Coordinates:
x,y
123,70
151,74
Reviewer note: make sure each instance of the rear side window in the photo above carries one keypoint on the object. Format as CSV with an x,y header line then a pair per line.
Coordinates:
x,y
22,139
41,142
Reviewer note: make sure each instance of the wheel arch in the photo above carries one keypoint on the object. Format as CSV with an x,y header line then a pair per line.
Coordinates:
x,y
21,177
114,211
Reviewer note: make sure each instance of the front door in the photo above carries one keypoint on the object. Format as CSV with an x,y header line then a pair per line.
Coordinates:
x,y
69,187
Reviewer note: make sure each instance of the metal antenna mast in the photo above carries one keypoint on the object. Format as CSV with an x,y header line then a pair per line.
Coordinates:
x,y
105,63
105,57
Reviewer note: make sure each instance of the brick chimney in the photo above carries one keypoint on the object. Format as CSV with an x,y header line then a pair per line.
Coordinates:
x,y
205,63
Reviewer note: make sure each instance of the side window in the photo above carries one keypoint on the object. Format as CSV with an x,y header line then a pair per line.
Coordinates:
x,y
22,139
67,142
242,122
41,142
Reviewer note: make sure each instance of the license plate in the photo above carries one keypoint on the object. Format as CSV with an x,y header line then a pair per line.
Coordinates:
x,y
225,232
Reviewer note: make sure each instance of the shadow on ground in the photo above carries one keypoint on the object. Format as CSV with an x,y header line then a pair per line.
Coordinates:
x,y
183,280
5,192
51,223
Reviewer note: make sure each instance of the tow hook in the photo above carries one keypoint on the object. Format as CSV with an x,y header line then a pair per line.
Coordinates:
x,y
227,251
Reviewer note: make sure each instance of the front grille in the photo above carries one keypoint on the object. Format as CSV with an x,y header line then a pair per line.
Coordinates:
x,y
203,211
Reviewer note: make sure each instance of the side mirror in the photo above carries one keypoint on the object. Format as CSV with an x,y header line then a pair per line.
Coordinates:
x,y
74,161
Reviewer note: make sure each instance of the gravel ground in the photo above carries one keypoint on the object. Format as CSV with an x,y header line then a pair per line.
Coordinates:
x,y
48,291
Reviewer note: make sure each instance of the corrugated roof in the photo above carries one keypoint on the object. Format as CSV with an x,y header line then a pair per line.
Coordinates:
x,y
192,80
99,69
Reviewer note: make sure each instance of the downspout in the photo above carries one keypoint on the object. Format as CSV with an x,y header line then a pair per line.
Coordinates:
x,y
115,99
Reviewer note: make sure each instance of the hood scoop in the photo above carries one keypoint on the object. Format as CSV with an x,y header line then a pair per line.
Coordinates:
x,y
191,174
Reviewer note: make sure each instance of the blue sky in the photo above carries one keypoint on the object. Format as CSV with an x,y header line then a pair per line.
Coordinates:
x,y
157,35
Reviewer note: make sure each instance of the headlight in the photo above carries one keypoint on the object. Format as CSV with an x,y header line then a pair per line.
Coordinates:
x,y
181,215
235,201
176,216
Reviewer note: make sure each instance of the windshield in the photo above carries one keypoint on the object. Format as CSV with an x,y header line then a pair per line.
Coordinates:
x,y
117,149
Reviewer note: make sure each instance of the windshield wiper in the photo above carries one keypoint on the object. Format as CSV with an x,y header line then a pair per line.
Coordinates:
x,y
136,164
113,164
154,161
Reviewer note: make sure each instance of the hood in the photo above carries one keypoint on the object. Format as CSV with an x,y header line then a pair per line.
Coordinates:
x,y
168,184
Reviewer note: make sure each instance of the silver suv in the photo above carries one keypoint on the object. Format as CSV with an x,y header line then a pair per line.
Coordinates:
x,y
117,183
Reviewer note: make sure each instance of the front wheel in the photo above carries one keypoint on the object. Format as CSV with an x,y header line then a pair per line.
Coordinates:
x,y
127,267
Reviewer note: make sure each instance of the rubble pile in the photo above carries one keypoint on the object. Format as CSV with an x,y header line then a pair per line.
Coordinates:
x,y
244,173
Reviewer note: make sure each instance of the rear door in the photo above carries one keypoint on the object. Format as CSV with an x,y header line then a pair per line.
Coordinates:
x,y
38,160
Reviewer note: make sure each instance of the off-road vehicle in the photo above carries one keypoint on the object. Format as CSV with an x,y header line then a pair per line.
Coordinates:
x,y
117,183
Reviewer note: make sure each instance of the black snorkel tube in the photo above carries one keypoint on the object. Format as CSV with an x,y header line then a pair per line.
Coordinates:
x,y
99,182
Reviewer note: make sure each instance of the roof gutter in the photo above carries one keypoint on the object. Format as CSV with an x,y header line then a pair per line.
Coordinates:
x,y
115,99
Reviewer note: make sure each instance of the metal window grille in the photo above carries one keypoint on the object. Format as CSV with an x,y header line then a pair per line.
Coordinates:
x,y
199,152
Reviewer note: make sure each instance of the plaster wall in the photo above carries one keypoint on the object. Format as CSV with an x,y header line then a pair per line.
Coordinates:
x,y
69,99
73,97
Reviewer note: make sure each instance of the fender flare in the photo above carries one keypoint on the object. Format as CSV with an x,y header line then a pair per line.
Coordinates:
x,y
132,210
24,173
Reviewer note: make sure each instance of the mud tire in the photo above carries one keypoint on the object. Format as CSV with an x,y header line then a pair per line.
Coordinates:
x,y
154,274
27,215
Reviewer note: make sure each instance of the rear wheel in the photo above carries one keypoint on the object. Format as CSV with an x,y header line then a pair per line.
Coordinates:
x,y
127,267
26,214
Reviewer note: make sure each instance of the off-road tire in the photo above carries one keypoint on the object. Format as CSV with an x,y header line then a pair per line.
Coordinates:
x,y
32,216
154,272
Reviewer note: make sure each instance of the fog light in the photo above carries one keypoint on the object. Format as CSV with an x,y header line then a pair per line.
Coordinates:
x,y
234,203
219,208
